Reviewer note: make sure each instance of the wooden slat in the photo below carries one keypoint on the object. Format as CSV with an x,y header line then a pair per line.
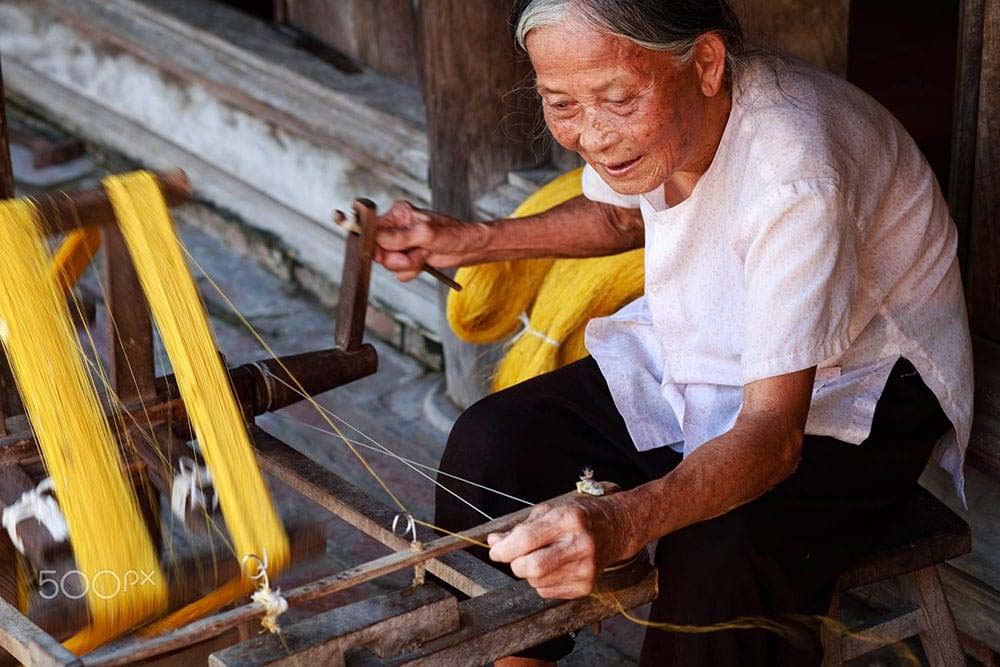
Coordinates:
x,y
28,643
408,617
984,256
882,631
966,116
510,620
984,445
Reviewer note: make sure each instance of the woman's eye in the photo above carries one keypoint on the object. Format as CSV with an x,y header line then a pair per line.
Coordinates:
x,y
620,103
561,106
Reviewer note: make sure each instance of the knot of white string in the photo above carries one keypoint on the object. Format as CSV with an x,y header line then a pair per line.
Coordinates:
x,y
410,528
526,329
273,602
188,488
38,504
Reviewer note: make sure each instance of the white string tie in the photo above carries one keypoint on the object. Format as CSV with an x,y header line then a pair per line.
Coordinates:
x,y
38,504
410,528
526,324
188,488
273,602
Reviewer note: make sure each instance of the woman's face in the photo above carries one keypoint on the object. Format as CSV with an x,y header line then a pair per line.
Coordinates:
x,y
632,113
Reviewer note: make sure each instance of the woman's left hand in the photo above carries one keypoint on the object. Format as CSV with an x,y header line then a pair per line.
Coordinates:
x,y
562,549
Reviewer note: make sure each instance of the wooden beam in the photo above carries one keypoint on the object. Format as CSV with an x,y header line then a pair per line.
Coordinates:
x,y
984,258
390,622
28,643
92,207
130,327
966,116
513,619
881,631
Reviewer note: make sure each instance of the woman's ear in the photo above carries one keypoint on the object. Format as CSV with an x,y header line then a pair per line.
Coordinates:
x,y
710,63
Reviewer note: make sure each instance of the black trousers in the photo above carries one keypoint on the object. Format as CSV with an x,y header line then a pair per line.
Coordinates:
x,y
777,556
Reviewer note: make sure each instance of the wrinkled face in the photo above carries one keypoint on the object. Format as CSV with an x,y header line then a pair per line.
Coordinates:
x,y
632,113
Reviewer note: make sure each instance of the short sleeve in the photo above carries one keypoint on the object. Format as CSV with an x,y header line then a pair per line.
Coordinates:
x,y
801,277
595,189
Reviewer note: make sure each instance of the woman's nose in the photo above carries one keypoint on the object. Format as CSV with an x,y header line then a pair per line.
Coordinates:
x,y
597,138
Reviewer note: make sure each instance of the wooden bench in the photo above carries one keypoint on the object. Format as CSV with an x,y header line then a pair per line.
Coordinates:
x,y
924,534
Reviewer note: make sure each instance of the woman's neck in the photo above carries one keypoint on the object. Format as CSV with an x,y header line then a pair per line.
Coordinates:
x,y
682,182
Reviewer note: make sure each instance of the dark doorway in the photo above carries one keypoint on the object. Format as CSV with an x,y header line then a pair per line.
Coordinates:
x,y
903,53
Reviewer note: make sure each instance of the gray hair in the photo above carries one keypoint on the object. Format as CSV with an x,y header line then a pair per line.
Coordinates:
x,y
673,26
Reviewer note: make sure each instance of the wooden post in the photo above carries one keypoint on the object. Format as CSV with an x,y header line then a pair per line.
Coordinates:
x,y
9,401
130,329
476,125
984,237
963,143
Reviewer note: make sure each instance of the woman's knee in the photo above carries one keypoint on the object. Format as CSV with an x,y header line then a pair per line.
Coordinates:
x,y
492,429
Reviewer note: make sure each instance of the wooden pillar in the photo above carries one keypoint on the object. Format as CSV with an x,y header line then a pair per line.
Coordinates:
x,y
477,129
984,237
965,128
130,329
9,400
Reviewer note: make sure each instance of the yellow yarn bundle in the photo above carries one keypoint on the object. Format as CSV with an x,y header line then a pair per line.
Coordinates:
x,y
562,296
180,317
109,538
494,295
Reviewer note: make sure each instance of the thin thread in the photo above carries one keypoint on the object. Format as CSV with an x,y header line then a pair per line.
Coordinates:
x,y
312,401
389,452
754,623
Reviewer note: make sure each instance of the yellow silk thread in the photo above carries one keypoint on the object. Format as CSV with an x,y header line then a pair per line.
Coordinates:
x,y
218,423
107,533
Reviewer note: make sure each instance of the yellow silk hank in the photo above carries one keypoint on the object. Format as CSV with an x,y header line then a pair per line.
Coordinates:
x,y
111,545
215,416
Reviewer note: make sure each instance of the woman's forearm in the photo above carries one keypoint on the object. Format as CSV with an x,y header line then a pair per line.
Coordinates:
x,y
576,228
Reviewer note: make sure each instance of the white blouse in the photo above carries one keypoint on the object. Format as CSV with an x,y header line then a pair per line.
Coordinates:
x,y
817,237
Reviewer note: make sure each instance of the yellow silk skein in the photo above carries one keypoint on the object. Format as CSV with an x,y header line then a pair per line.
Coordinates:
x,y
110,542
494,295
559,297
574,292
215,416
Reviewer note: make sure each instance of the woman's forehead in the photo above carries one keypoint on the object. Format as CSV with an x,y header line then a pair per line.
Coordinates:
x,y
574,54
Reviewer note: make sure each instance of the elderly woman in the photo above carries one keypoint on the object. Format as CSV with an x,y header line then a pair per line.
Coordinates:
x,y
800,353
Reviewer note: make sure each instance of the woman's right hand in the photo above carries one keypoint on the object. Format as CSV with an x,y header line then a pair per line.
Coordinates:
x,y
410,237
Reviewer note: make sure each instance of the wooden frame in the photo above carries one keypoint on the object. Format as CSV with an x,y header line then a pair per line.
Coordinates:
x,y
502,615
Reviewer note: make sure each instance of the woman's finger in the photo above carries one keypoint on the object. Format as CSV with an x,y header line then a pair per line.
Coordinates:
x,y
528,536
573,570
542,562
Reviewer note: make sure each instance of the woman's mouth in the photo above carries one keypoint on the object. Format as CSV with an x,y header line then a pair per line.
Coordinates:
x,y
621,168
